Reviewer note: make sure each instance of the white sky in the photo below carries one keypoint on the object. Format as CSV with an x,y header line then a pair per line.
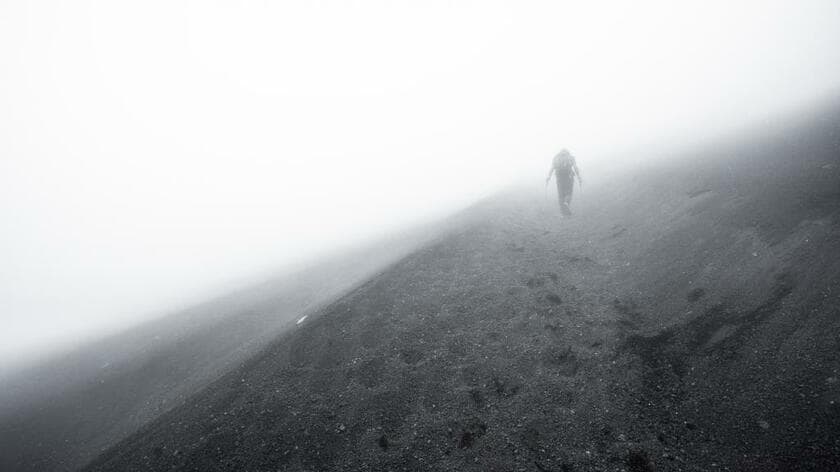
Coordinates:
x,y
153,153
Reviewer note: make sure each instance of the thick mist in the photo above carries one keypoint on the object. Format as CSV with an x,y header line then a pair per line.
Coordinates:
x,y
158,153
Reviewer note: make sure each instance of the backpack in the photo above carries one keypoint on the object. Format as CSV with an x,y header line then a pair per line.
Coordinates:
x,y
563,163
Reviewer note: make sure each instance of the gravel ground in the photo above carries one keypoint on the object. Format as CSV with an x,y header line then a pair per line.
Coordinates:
x,y
684,319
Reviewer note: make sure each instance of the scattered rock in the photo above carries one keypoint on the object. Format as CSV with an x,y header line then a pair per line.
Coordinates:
x,y
505,388
470,433
696,294
411,356
638,461
562,358
534,282
554,298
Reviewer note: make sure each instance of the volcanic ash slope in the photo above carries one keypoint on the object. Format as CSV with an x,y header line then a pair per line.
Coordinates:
x,y
685,319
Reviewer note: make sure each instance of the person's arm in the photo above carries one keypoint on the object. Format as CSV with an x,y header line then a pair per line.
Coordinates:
x,y
550,173
577,172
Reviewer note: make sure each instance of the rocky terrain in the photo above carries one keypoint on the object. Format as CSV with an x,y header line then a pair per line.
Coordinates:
x,y
60,414
687,318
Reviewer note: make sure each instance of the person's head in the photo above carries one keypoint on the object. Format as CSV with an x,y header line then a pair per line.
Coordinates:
x,y
565,152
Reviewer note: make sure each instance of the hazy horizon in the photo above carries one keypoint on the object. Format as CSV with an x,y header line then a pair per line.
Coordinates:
x,y
157,154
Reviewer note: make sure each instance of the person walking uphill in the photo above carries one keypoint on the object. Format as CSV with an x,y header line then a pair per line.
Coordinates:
x,y
564,169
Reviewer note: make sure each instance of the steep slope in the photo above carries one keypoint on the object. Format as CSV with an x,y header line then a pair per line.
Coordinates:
x,y
59,415
686,319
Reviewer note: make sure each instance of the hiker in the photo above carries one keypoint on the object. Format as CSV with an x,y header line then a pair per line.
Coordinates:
x,y
565,169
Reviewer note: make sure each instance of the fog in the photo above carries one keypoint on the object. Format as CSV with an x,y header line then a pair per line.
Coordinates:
x,y
153,154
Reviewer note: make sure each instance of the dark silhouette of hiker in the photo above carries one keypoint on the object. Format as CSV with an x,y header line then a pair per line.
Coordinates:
x,y
564,169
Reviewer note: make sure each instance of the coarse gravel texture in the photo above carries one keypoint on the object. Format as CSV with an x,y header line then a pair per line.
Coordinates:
x,y
685,319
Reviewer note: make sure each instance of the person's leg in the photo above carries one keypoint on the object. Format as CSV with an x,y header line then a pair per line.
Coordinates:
x,y
568,186
561,191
